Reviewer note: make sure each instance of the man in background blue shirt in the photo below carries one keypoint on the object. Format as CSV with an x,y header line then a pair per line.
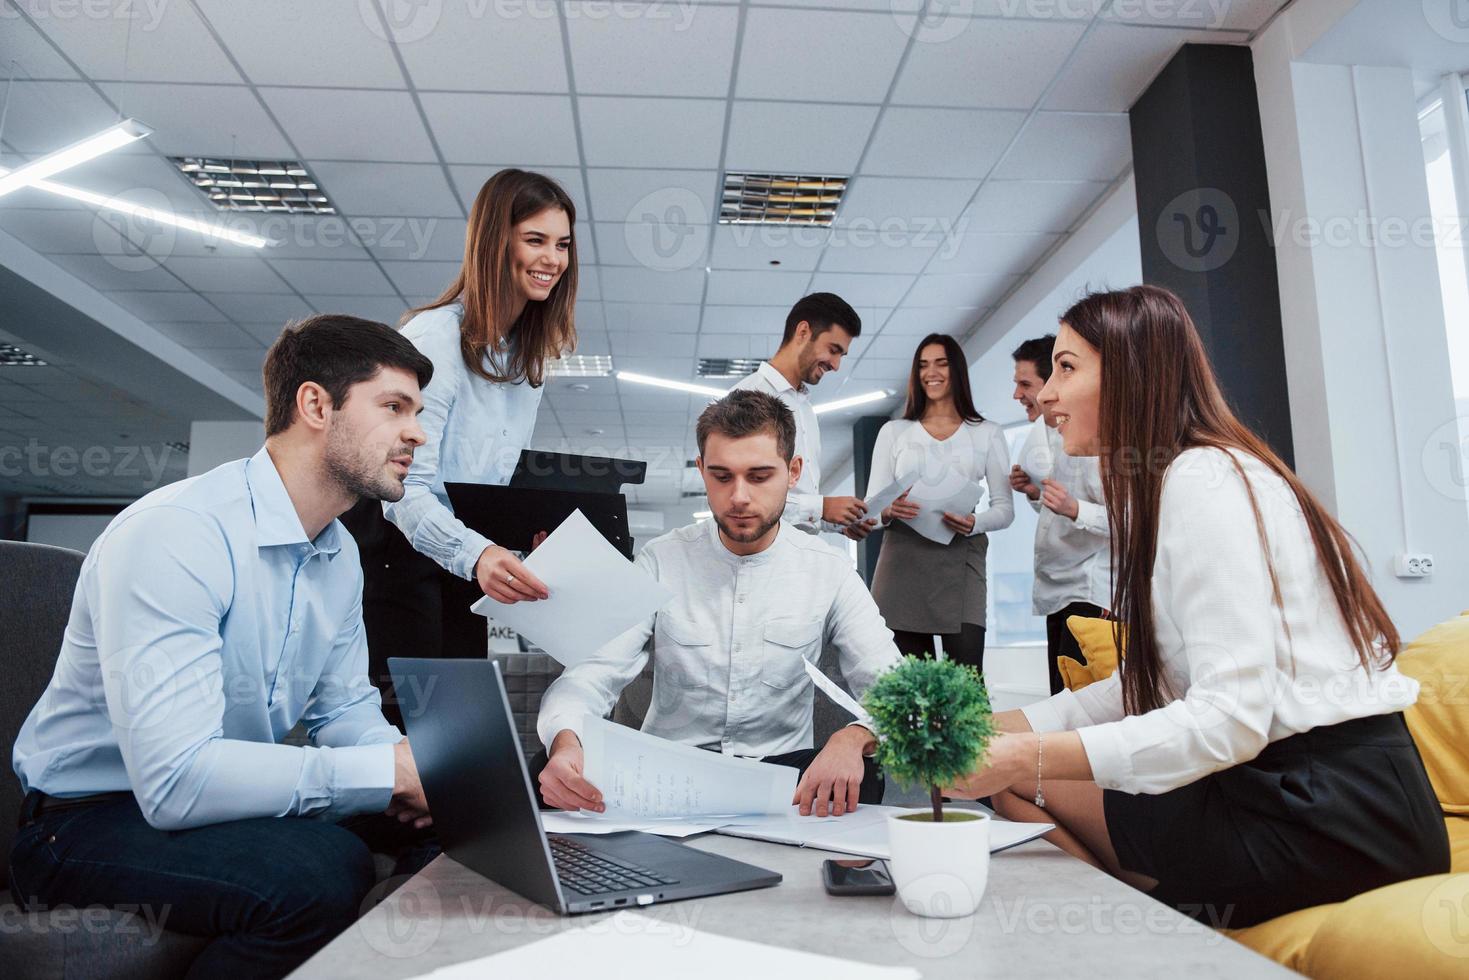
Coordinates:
x,y
210,617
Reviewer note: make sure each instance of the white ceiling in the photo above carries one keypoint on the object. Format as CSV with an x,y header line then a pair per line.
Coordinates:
x,y
975,143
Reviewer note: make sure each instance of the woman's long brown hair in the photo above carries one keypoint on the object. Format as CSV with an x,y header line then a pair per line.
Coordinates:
x,y
546,329
1159,397
958,381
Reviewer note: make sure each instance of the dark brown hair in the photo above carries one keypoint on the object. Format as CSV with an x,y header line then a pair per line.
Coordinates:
x,y
336,352
958,381
744,413
545,329
821,311
1037,350
1159,397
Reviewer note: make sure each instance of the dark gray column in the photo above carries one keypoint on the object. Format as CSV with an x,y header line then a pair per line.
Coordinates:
x,y
864,435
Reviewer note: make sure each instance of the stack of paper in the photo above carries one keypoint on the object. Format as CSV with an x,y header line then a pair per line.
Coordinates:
x,y
631,944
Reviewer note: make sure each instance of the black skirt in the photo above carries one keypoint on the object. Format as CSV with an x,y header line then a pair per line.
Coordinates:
x,y
1317,817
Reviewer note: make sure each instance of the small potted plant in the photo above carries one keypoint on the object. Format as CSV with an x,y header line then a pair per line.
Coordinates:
x,y
934,723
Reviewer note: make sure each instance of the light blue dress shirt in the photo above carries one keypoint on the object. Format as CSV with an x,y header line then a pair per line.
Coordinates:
x,y
204,626
474,431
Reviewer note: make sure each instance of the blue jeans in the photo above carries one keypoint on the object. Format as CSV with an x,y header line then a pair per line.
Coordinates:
x,y
269,892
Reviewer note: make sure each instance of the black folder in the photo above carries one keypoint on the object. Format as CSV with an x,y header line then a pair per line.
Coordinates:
x,y
511,516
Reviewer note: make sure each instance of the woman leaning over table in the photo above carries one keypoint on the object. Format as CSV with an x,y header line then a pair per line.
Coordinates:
x,y
489,336
1250,758
923,587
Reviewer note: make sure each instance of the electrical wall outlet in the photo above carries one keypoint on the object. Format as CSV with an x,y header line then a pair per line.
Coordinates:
x,y
1412,565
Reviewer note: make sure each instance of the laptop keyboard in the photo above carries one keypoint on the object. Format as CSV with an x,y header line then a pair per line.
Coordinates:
x,y
588,873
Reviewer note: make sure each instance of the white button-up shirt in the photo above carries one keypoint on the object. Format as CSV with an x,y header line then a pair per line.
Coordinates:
x,y
1073,558
475,430
729,650
1243,671
975,451
803,505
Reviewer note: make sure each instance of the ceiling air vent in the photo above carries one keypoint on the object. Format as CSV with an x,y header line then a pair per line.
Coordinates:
x,y
779,199
283,186
13,356
580,366
728,367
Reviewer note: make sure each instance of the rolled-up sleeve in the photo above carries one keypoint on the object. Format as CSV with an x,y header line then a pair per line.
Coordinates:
x,y
163,587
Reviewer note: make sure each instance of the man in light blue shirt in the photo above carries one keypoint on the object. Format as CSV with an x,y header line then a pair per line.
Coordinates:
x,y
210,617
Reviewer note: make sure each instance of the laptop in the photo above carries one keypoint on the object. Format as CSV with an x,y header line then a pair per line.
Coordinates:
x,y
484,807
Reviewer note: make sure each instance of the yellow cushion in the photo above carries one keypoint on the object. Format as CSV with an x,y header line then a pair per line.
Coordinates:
x,y
1094,636
1439,661
1458,847
1415,929
1285,938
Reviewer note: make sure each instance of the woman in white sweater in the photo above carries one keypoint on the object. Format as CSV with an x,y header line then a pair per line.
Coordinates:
x,y
926,588
1250,758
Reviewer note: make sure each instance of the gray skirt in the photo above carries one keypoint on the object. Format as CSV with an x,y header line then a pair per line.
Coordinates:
x,y
922,586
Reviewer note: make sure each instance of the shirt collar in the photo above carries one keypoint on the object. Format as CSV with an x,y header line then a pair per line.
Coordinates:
x,y
720,549
276,520
777,380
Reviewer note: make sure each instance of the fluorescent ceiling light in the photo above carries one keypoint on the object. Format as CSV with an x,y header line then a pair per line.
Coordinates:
x,y
841,403
120,134
256,185
693,389
13,356
153,214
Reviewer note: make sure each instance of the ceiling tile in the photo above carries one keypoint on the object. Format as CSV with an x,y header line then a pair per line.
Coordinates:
x,y
819,55
469,178
631,285
1030,205
534,130
471,44
618,132
46,116
1012,253
888,345
161,42
308,236
993,64
153,307
438,239
1114,63
265,332
862,289
662,245
904,205
643,343
147,180
737,286
422,281
888,369
227,274
612,47
976,289
872,251
104,272
1243,15
317,276
235,359
197,336
797,137
1070,146
202,120
674,196
940,142
915,323
750,246
383,309
326,42
767,320
733,345
652,317
260,307
389,189
343,124
32,55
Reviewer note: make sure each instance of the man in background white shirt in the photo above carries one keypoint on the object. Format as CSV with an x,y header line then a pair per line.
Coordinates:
x,y
754,602
1073,552
819,332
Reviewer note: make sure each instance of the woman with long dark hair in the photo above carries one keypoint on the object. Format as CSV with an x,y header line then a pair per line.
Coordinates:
x,y
1250,757
922,587
490,335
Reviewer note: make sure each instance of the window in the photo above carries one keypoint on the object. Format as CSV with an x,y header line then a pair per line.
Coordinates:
x,y
1439,152
1011,565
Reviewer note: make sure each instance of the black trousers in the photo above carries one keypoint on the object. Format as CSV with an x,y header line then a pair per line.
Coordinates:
x,y
410,606
1060,642
964,647
871,791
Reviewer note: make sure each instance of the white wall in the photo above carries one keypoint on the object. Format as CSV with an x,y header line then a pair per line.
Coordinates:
x,y
1365,337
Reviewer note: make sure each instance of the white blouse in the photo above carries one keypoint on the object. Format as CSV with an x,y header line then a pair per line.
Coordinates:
x,y
1242,672
976,451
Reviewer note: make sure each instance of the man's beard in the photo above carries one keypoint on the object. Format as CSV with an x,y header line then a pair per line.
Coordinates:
x,y
745,537
361,479
808,373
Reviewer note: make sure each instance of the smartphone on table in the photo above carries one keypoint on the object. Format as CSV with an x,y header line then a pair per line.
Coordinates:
x,y
860,876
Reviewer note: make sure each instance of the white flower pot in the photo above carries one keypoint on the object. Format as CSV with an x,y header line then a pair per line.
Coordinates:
x,y
940,869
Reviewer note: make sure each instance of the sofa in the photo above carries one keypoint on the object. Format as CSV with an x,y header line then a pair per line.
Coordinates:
x,y
1417,928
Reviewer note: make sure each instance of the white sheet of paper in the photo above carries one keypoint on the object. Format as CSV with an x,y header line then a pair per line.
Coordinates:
x,y
643,776
863,832
937,496
632,944
596,594
570,822
878,502
832,690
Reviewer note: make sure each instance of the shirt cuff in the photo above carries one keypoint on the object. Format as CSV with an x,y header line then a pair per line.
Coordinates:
x,y
1110,761
1091,516
1057,713
551,726
362,778
809,506
474,545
